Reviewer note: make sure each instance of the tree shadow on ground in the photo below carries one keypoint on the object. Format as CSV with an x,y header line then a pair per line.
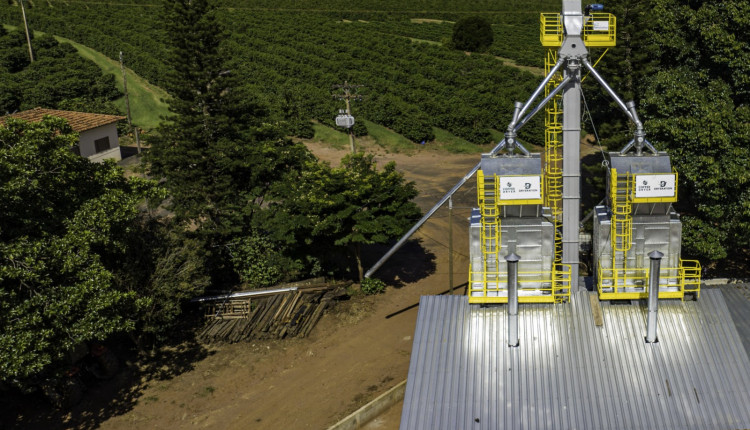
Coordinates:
x,y
103,399
409,264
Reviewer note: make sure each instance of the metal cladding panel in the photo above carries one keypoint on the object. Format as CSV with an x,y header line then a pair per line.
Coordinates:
x,y
601,242
569,374
646,163
653,232
475,243
511,164
532,239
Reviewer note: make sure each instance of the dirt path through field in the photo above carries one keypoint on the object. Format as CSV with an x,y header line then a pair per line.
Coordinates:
x,y
357,351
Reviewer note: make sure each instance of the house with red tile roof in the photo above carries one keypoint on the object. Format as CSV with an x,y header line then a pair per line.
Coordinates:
x,y
98,139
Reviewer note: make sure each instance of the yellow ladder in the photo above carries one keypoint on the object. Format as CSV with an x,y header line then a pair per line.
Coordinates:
x,y
553,175
621,232
490,235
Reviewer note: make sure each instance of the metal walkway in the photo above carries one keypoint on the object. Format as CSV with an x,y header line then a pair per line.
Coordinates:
x,y
569,374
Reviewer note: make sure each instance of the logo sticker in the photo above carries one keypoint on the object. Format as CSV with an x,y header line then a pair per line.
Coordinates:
x,y
520,188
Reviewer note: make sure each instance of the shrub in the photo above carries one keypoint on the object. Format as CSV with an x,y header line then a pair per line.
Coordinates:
x,y
257,261
371,286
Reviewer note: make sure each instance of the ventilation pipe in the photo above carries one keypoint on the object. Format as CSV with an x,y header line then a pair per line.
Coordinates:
x,y
653,296
512,260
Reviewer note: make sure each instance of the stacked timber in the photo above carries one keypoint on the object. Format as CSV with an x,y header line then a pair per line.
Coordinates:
x,y
269,314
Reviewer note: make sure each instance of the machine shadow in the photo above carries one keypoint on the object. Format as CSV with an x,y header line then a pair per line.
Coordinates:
x,y
411,263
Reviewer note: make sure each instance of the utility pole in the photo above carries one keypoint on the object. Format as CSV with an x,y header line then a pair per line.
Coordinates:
x,y
28,35
347,120
127,104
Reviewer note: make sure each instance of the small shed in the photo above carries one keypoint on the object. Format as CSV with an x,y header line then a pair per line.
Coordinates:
x,y
98,139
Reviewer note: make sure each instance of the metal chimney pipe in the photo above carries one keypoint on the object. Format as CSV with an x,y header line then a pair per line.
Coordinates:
x,y
512,260
653,296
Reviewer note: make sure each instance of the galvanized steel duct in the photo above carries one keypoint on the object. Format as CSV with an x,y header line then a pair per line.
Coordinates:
x,y
653,296
512,260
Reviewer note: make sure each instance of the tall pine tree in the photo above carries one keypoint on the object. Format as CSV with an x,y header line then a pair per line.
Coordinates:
x,y
218,157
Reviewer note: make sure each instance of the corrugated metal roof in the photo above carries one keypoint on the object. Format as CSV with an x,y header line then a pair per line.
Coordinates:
x,y
569,374
737,297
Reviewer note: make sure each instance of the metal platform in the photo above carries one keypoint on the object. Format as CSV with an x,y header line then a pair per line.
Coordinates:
x,y
568,373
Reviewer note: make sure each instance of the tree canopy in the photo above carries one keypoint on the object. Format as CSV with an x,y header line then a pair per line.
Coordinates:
x,y
687,65
60,219
349,206
472,33
80,258
59,78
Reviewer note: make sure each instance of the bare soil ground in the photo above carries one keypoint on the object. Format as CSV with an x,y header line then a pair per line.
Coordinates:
x,y
359,349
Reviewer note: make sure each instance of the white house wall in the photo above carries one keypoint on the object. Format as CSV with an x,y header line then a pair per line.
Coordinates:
x,y
88,149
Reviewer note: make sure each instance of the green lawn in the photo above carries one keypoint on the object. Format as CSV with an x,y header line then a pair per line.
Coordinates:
x,y
394,142
146,105
335,138
389,139
456,145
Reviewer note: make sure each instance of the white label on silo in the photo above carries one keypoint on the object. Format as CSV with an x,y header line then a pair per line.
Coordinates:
x,y
601,25
654,186
520,187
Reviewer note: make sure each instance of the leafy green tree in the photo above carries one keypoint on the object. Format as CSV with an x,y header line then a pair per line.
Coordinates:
x,y
61,217
79,259
348,206
472,33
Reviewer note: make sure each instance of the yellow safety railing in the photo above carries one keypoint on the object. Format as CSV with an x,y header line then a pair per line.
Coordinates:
x,y
551,29
533,286
690,270
599,30
490,233
632,283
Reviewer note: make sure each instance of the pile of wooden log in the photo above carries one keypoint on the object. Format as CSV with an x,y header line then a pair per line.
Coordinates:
x,y
274,313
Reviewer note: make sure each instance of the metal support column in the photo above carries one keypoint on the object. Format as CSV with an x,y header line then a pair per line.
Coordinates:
x,y
572,52
571,131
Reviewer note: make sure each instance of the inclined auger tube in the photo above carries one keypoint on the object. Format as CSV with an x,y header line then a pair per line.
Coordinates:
x,y
609,90
544,102
471,173
510,136
629,108
536,92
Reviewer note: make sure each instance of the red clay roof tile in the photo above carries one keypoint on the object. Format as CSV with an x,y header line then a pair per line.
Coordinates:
x,y
79,121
